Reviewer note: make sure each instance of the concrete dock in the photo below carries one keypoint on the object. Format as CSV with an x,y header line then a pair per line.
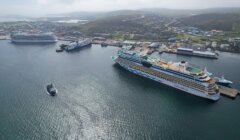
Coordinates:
x,y
229,92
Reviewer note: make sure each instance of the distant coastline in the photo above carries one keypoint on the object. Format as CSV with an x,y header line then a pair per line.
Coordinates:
x,y
3,19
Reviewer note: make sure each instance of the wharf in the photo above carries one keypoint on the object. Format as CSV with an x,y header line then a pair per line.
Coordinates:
x,y
107,43
194,53
229,92
165,50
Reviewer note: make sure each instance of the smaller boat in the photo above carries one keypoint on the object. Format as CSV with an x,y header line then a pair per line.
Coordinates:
x,y
104,44
51,89
63,46
223,81
59,50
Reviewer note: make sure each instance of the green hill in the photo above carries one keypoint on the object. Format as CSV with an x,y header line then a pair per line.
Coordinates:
x,y
128,22
189,12
225,22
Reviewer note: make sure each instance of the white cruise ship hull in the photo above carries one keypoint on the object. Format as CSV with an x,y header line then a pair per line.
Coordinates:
x,y
34,41
214,97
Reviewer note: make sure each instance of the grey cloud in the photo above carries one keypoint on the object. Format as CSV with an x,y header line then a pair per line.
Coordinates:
x,y
41,7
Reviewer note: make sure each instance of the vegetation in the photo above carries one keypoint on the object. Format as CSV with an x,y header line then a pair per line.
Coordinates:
x,y
136,26
191,38
225,22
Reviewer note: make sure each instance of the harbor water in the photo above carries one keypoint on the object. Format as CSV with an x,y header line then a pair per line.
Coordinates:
x,y
99,100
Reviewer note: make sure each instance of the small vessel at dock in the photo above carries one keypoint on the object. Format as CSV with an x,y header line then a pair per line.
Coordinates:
x,y
63,46
104,44
222,81
59,50
51,89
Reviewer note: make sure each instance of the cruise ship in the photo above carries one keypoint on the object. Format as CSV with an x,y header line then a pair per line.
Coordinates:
x,y
34,38
180,75
78,44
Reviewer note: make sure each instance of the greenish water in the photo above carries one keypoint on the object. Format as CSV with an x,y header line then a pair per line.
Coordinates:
x,y
99,100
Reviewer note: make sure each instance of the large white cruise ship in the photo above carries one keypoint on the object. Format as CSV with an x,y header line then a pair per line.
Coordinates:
x,y
180,75
33,38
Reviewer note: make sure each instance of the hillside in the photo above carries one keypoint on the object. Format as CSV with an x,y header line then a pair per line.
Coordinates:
x,y
158,11
94,15
141,23
189,12
224,22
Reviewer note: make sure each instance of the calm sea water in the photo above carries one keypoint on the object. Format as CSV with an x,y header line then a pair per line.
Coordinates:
x,y
100,100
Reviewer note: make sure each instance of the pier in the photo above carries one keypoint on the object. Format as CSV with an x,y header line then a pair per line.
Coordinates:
x,y
229,92
190,52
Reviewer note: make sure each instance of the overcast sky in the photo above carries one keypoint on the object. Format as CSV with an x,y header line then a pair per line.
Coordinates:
x,y
43,7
